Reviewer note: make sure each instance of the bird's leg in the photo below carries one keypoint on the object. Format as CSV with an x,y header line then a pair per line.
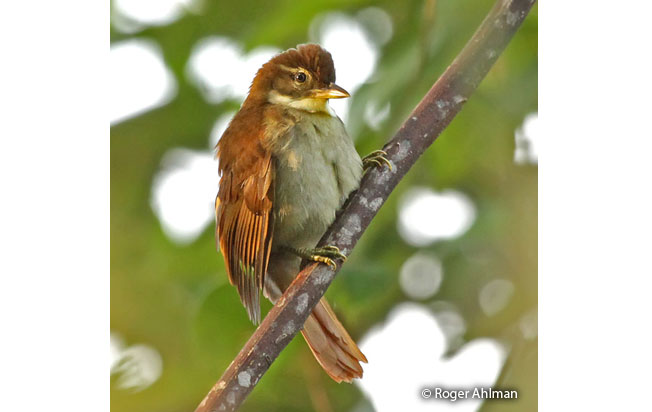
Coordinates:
x,y
324,254
376,159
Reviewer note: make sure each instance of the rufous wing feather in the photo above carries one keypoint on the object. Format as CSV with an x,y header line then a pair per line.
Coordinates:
x,y
243,210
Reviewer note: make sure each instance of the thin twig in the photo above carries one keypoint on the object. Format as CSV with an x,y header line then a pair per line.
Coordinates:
x,y
418,132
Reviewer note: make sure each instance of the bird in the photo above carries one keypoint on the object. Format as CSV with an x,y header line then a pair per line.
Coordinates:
x,y
286,166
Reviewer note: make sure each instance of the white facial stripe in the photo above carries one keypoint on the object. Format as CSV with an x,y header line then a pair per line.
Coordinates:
x,y
307,104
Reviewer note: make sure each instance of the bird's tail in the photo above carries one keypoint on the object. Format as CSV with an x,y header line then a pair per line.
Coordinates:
x,y
331,344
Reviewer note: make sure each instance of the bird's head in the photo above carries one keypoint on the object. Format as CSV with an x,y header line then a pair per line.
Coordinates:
x,y
301,78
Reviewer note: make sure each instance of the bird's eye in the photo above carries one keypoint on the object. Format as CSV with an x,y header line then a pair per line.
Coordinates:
x,y
301,77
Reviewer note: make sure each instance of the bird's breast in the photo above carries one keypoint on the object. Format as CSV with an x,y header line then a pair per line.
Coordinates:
x,y
317,167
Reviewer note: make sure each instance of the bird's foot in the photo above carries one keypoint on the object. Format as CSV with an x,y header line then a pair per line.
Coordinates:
x,y
325,254
376,159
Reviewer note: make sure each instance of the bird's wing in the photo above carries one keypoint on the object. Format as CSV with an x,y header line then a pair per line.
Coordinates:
x,y
244,214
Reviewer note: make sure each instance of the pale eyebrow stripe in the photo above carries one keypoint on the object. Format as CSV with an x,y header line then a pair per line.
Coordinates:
x,y
294,70
286,68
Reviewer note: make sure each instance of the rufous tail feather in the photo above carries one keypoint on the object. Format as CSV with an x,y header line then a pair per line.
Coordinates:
x,y
331,344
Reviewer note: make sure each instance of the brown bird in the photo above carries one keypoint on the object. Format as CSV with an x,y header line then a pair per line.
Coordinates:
x,y
287,165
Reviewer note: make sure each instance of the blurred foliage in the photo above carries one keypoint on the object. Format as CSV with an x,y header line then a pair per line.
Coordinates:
x,y
177,299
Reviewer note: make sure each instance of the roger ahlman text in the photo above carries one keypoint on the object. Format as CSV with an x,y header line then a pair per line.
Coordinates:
x,y
488,393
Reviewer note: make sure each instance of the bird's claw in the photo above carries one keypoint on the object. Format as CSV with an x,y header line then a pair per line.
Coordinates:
x,y
323,259
325,254
376,159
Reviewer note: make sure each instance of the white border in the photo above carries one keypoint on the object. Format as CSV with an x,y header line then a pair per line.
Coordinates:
x,y
54,218
595,207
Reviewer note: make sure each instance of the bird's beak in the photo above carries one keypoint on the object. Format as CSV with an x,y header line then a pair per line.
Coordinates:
x,y
332,92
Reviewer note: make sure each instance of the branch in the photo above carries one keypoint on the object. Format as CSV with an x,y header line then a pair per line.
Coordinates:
x,y
418,132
